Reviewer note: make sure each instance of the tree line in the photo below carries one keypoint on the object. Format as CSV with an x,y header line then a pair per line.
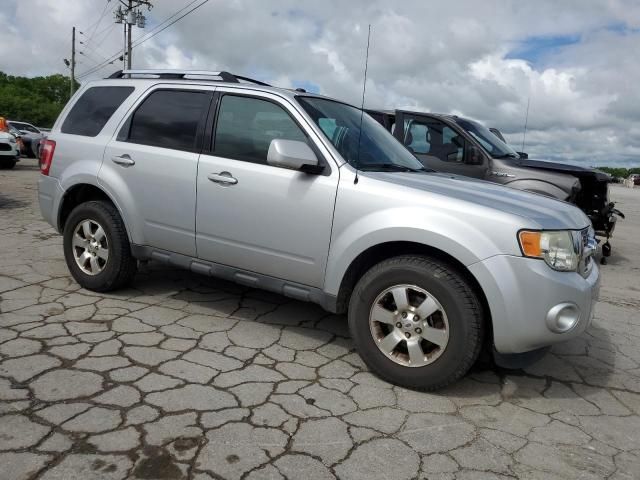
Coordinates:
x,y
36,100
619,172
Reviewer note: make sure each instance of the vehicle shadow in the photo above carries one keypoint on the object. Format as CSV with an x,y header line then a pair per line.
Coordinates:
x,y
588,359
615,259
9,202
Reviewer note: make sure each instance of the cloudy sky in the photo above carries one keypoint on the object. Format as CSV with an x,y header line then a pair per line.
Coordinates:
x,y
578,61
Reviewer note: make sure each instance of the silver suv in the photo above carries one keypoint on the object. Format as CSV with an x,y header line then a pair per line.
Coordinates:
x,y
305,196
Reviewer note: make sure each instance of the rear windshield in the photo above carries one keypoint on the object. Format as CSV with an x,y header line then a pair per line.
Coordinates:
x,y
94,109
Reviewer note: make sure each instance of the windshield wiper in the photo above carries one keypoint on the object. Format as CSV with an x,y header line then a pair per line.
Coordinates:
x,y
506,155
390,167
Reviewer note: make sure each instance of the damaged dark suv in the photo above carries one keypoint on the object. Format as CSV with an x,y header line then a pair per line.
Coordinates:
x,y
453,144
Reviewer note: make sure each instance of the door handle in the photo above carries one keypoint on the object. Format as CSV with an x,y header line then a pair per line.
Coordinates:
x,y
124,160
224,178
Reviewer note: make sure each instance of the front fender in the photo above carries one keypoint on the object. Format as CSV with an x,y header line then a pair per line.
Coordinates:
x,y
543,187
458,238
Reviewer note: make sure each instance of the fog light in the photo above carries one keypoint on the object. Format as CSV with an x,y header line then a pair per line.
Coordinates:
x,y
563,317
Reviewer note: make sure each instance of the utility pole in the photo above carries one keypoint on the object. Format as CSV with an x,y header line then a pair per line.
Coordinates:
x,y
124,48
129,16
73,62
130,9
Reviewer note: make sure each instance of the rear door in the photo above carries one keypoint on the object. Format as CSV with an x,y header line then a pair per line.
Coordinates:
x,y
152,165
439,146
264,219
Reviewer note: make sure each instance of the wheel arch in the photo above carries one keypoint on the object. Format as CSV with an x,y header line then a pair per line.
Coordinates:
x,y
81,193
382,251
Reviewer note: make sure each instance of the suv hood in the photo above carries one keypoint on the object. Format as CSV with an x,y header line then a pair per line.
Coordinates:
x,y
547,212
579,172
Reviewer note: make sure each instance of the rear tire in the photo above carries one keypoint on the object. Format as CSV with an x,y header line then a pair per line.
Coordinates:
x,y
97,249
7,164
430,342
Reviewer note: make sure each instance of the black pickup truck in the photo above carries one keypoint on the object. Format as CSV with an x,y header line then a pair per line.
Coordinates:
x,y
453,144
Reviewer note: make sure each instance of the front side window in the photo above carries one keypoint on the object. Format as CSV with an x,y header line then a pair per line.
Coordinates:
x,y
170,119
94,109
247,125
492,144
371,147
416,138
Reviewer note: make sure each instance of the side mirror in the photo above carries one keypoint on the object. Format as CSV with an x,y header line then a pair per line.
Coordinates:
x,y
294,155
473,156
523,155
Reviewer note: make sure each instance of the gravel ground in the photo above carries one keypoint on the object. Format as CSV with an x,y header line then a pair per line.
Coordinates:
x,y
183,376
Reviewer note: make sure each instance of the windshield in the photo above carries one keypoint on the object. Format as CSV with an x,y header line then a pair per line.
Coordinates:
x,y
340,123
492,144
23,126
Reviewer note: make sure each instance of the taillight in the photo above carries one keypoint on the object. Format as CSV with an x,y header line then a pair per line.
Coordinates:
x,y
46,156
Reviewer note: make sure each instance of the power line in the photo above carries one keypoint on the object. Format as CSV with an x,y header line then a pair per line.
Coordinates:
x,y
94,45
170,17
92,25
96,38
163,29
104,10
150,35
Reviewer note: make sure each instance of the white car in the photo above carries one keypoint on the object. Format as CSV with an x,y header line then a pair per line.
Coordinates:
x,y
9,153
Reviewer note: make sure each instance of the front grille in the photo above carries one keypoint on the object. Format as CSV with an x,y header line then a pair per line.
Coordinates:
x,y
588,249
5,147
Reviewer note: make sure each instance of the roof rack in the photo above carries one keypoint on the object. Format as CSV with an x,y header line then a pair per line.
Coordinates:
x,y
186,74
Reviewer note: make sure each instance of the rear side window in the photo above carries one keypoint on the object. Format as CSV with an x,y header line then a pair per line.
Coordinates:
x,y
94,109
170,119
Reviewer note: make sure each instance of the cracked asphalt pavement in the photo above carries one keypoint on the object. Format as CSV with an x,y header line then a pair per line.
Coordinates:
x,y
184,376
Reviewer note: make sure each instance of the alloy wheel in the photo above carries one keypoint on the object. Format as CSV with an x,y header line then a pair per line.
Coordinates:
x,y
409,325
90,247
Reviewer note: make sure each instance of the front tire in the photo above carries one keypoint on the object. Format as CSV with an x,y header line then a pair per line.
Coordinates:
x,y
96,247
416,322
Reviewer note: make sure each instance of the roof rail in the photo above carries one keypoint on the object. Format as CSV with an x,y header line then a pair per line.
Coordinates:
x,y
185,74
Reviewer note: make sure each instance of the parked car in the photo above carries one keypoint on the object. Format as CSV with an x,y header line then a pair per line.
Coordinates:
x,y
636,178
31,137
9,150
299,194
458,145
18,136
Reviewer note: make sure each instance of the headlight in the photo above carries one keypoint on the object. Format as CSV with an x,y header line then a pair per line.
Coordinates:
x,y
12,139
557,248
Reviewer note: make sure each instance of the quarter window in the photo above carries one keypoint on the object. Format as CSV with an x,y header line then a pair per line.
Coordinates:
x,y
170,119
94,109
246,126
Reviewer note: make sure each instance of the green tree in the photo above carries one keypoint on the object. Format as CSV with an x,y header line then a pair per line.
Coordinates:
x,y
616,171
37,100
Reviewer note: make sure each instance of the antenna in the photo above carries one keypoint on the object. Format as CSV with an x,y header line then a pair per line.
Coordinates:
x,y
364,90
526,120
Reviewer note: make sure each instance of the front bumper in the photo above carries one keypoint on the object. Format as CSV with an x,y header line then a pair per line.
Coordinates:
x,y
50,194
12,154
521,293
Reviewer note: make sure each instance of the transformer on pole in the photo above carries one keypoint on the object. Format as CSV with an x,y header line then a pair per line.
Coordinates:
x,y
129,16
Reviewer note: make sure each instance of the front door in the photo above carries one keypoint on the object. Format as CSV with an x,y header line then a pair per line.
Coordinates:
x,y
152,165
257,217
439,146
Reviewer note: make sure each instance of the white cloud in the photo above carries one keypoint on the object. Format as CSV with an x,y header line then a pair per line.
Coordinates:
x,y
455,56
